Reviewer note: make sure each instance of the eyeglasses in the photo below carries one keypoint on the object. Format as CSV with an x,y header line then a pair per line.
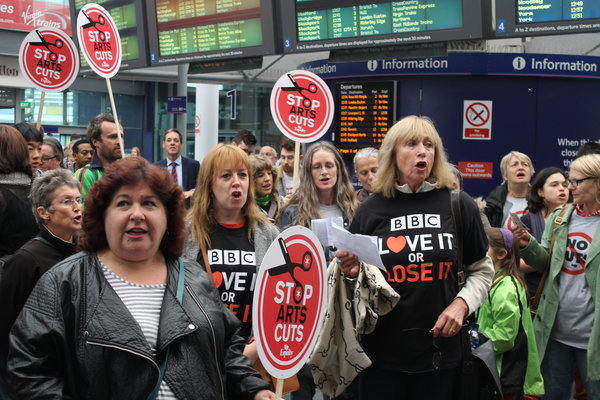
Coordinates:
x,y
424,334
68,202
576,182
44,159
86,152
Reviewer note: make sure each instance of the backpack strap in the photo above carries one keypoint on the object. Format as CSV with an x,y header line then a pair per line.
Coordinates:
x,y
556,223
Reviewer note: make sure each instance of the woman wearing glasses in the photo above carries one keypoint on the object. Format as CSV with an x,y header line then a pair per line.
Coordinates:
x,y
416,349
566,325
56,202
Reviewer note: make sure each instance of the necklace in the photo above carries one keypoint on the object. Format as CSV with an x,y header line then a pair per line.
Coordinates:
x,y
582,213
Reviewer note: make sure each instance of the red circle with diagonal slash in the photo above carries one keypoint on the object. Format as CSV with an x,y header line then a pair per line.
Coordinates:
x,y
289,303
49,59
302,106
99,40
471,108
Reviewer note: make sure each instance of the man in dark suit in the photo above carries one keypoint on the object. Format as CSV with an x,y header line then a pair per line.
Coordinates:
x,y
181,169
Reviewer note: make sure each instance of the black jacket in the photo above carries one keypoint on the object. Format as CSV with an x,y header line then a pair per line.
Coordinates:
x,y
17,223
75,339
494,208
21,273
189,169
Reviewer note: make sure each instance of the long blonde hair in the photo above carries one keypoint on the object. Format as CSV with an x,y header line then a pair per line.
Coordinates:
x,y
306,198
202,213
410,128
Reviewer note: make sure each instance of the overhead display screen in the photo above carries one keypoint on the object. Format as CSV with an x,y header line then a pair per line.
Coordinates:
x,y
129,18
353,23
364,114
196,30
556,10
546,17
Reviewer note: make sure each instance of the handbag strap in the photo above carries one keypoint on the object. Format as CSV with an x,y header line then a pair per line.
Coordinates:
x,y
461,274
163,365
555,224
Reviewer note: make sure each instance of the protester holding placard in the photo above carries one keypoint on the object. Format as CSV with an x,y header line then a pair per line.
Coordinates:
x,y
416,349
128,318
325,190
229,233
285,171
102,132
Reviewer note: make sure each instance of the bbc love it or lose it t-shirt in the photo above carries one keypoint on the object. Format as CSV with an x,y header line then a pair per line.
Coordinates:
x,y
233,262
417,239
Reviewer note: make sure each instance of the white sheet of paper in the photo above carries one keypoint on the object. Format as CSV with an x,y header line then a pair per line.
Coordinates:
x,y
365,247
322,228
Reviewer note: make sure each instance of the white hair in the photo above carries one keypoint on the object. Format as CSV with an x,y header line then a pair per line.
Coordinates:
x,y
367,152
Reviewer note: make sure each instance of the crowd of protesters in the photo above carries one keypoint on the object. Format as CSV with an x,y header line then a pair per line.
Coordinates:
x,y
111,268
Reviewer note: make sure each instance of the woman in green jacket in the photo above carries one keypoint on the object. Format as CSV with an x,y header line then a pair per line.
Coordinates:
x,y
566,324
505,318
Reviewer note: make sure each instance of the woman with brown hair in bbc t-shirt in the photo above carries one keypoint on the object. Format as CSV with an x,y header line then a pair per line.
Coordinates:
x,y
416,348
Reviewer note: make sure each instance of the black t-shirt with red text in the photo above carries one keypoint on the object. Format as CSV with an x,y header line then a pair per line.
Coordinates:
x,y
233,262
416,239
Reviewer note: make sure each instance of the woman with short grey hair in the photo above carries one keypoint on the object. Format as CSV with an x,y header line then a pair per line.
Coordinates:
x,y
511,195
56,202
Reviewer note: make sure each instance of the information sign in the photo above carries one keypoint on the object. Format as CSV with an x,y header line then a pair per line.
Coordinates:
x,y
289,302
365,112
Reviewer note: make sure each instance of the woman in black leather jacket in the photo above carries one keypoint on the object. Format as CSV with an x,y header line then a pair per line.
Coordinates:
x,y
116,321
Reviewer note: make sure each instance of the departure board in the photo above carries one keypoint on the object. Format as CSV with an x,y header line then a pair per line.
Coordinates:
x,y
378,19
517,18
529,11
314,25
364,114
193,30
129,19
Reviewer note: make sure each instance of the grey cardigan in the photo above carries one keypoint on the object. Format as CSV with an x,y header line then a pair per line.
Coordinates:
x,y
264,235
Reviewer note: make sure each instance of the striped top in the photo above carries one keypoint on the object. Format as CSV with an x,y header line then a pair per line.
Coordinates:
x,y
144,303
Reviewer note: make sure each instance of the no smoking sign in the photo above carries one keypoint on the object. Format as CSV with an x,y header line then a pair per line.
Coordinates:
x,y
477,120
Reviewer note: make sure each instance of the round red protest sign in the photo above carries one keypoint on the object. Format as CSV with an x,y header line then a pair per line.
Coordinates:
x,y
99,40
289,301
48,59
302,106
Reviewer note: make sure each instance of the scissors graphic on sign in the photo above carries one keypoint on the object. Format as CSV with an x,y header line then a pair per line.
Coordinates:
x,y
289,267
312,88
58,43
93,24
